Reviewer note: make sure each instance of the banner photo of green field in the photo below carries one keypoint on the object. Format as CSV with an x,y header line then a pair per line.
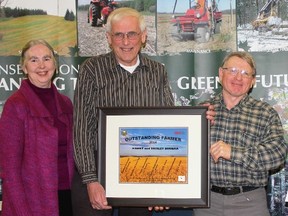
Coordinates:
x,y
53,20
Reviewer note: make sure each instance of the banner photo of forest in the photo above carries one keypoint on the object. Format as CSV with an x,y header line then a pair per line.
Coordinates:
x,y
191,55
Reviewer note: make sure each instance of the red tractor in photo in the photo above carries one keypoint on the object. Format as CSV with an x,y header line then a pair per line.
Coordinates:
x,y
200,21
99,11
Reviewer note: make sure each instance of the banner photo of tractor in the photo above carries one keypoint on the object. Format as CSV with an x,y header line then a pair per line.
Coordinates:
x,y
190,37
195,26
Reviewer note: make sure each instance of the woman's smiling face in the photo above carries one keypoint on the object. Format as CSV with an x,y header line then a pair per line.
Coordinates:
x,y
39,65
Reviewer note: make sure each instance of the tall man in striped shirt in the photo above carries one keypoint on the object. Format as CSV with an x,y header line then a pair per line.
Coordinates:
x,y
121,78
247,142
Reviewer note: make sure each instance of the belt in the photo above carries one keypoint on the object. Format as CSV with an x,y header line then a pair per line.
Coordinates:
x,y
232,190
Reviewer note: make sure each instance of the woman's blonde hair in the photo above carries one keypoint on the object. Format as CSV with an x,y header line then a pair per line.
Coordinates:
x,y
32,43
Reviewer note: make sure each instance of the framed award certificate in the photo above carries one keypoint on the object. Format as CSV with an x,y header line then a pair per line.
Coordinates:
x,y
154,156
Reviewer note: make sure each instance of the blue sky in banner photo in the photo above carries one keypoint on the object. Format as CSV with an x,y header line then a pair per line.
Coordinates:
x,y
53,7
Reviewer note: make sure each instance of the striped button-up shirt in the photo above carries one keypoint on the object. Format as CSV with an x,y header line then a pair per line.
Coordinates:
x,y
102,82
254,130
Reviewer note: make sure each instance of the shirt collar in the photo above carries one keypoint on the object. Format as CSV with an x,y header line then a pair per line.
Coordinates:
x,y
241,103
142,59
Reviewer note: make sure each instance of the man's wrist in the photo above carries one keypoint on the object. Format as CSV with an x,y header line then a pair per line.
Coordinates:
x,y
88,178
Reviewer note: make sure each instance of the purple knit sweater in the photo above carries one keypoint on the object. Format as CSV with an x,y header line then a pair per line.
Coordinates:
x,y
46,95
29,145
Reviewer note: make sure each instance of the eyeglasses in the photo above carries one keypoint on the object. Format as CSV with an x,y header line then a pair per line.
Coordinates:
x,y
234,71
118,36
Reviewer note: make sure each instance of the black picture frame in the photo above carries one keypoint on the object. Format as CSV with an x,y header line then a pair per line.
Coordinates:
x,y
196,193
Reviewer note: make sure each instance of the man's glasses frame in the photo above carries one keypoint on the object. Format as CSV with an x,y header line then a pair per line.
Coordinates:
x,y
119,36
234,71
